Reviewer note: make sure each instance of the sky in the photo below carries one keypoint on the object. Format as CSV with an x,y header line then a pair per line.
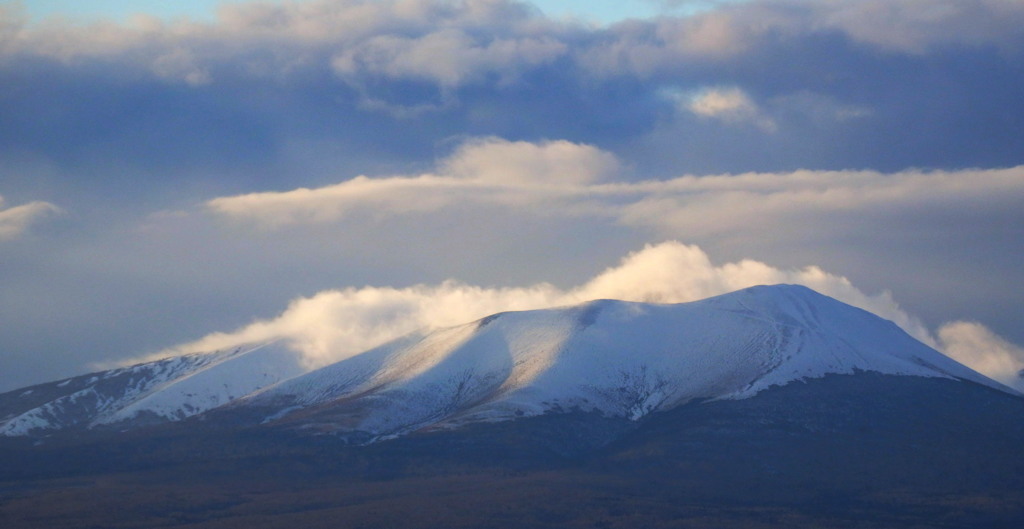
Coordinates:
x,y
334,173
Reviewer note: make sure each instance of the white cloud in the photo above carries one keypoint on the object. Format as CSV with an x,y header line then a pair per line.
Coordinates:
x,y
727,104
374,196
488,171
16,220
722,102
798,201
563,178
551,163
977,347
335,324
672,272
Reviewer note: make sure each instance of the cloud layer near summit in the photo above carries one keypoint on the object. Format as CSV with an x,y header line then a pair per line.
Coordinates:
x,y
168,179
337,324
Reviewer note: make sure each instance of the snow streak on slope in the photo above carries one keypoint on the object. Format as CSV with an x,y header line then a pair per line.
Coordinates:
x,y
164,390
618,358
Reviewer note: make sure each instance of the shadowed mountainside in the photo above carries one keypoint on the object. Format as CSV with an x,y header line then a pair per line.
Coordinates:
x,y
863,450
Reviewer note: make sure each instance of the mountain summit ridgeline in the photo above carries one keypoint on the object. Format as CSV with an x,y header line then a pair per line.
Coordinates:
x,y
614,358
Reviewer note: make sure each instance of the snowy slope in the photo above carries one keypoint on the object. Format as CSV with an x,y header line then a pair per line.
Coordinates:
x,y
164,390
619,358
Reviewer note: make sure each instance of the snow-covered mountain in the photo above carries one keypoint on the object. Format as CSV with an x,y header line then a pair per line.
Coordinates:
x,y
617,358
164,390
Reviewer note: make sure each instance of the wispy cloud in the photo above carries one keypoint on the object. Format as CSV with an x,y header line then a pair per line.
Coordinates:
x,y
482,171
562,178
15,221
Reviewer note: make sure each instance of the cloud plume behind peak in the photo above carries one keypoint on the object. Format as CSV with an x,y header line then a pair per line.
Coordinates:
x,y
332,325
336,324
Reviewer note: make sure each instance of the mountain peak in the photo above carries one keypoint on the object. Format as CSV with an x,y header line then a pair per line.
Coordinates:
x,y
613,357
781,295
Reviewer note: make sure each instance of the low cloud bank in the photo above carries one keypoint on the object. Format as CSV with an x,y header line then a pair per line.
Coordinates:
x,y
561,178
336,324
489,171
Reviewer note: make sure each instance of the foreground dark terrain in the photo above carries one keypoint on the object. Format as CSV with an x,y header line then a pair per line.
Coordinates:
x,y
843,451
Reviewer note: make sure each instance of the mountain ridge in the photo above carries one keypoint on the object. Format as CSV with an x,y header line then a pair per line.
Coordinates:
x,y
612,357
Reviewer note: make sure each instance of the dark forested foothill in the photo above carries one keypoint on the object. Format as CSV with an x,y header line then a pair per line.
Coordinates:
x,y
841,451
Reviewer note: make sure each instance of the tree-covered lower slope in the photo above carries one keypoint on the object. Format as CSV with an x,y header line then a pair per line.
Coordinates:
x,y
863,450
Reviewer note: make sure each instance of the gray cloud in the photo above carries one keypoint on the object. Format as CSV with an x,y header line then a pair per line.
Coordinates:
x,y
265,83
